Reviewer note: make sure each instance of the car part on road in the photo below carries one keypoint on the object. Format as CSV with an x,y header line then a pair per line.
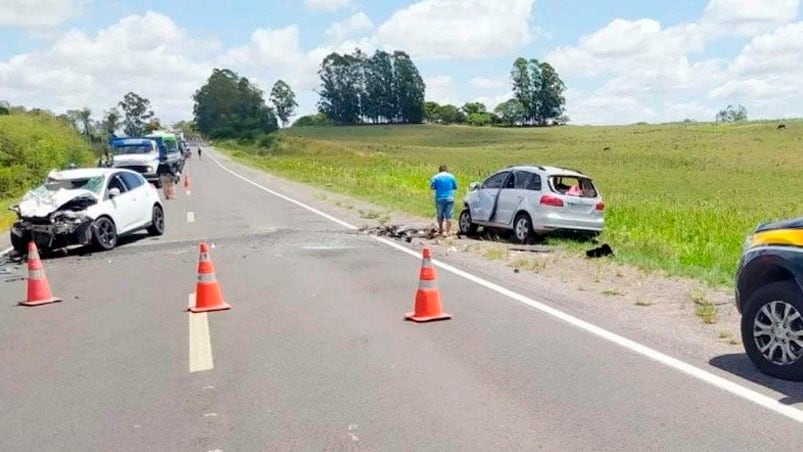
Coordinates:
x,y
401,232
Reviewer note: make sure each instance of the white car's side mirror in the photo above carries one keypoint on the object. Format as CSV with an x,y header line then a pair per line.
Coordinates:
x,y
474,186
114,192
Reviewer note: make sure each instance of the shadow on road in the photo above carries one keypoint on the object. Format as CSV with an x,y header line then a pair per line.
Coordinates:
x,y
739,364
89,249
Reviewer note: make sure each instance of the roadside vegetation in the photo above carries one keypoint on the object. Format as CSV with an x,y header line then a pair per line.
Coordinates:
x,y
680,197
32,144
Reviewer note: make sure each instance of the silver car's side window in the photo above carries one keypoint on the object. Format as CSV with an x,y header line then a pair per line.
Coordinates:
x,y
495,181
527,181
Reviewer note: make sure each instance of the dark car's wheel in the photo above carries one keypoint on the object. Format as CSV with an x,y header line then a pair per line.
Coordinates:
x,y
105,233
523,228
465,224
772,330
20,244
157,226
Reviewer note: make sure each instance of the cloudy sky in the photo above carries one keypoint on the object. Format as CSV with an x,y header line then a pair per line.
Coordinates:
x,y
622,60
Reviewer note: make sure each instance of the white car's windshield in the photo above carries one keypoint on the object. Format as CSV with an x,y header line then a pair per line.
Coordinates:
x,y
93,184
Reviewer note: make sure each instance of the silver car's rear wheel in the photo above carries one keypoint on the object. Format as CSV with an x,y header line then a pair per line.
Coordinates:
x,y
523,228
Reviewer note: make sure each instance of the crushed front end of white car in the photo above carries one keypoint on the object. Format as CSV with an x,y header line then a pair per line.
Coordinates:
x,y
54,215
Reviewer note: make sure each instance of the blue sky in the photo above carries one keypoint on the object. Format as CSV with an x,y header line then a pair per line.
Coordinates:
x,y
623,61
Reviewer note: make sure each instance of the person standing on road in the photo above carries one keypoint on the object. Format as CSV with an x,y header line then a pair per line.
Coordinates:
x,y
444,184
199,153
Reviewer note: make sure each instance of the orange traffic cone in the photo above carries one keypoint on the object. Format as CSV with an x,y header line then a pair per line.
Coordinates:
x,y
208,296
38,287
187,184
428,298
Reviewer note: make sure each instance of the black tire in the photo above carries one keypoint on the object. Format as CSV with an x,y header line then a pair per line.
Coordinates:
x,y
464,223
778,339
157,226
20,244
104,233
523,228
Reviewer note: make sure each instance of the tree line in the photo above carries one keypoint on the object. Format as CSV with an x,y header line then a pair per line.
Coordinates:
x,y
387,88
380,89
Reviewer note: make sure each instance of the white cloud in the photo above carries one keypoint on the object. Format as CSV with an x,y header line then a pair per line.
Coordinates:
x,y
458,29
326,5
748,16
268,47
357,24
147,54
38,13
440,89
488,83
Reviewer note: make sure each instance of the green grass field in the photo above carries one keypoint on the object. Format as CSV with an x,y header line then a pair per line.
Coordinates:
x,y
680,197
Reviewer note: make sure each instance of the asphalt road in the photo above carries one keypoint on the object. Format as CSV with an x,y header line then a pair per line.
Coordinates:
x,y
315,354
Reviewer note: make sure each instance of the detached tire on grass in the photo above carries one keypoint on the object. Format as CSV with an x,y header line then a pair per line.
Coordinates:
x,y
772,330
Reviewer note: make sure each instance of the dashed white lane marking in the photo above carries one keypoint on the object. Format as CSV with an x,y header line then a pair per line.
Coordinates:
x,y
693,371
200,340
189,193
190,217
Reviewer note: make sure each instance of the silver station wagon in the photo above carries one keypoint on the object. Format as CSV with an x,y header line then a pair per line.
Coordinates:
x,y
532,201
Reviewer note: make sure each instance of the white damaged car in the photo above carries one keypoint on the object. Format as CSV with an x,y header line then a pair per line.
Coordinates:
x,y
91,206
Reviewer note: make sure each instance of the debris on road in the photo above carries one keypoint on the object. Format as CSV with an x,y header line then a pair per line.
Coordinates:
x,y
402,232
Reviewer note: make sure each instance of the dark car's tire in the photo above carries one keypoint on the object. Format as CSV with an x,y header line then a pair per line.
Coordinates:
x,y
104,233
464,223
523,228
20,244
157,226
772,330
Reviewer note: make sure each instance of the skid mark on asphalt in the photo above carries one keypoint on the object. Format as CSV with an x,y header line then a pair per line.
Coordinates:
x,y
724,384
200,340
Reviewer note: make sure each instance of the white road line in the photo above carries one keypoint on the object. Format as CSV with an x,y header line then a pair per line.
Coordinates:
x,y
189,193
200,340
693,371
190,217
6,251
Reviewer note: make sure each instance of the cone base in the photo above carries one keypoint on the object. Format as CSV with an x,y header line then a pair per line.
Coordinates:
x,y
221,307
421,319
40,302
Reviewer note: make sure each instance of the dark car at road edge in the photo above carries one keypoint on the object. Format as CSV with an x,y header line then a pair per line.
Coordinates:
x,y
769,296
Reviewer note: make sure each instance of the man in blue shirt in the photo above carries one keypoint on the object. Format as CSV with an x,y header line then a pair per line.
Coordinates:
x,y
444,184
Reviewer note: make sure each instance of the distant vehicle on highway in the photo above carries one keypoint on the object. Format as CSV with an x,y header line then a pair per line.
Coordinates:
x,y
534,200
92,206
137,154
769,296
170,154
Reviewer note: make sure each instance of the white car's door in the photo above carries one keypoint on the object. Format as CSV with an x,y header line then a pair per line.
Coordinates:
x,y
141,202
482,205
121,207
510,197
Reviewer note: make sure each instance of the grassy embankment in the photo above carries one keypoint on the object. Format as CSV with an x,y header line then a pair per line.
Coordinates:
x,y
681,197
30,146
